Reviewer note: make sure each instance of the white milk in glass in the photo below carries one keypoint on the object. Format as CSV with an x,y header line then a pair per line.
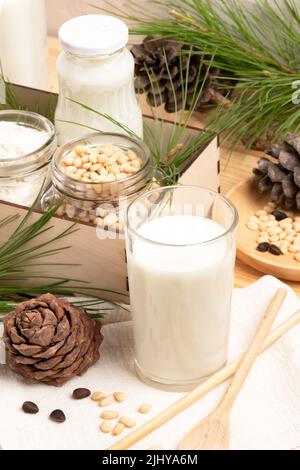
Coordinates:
x,y
180,298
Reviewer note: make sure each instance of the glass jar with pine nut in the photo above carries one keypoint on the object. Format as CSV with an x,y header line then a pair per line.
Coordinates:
x,y
98,176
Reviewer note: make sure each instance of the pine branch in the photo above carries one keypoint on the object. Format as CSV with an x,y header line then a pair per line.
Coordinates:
x,y
260,44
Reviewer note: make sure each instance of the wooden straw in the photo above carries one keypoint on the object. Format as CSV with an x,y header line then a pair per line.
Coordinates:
x,y
205,387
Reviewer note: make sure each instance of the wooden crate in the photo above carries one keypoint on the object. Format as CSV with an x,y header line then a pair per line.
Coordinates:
x,y
103,262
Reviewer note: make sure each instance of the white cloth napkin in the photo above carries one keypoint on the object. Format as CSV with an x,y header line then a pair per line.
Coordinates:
x,y
266,414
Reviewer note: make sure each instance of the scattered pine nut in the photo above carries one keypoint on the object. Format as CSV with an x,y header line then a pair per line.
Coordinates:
x,y
109,414
97,396
128,422
118,429
144,408
120,396
105,427
106,400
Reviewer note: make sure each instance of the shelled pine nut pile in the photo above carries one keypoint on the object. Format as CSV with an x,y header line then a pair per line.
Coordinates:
x,y
98,164
101,164
278,232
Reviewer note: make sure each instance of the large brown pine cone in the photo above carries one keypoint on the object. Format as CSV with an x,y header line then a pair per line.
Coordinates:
x,y
49,340
281,175
161,68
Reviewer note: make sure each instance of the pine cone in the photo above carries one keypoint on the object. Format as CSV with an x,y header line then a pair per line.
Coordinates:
x,y
49,340
282,175
159,68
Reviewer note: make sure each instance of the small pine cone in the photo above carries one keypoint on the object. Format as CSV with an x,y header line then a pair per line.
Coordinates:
x,y
161,67
49,340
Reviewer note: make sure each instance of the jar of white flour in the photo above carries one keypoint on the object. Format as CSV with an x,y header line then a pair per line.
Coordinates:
x,y
27,143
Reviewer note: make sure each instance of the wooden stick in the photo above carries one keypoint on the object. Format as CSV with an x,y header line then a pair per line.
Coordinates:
x,y
205,387
253,351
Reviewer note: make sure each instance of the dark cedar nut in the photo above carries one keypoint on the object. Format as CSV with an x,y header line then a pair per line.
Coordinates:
x,y
263,247
80,393
279,215
58,416
275,250
30,407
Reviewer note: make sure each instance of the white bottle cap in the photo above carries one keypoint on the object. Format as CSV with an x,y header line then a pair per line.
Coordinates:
x,y
92,35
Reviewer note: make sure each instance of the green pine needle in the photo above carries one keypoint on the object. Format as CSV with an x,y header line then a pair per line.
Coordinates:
x,y
259,43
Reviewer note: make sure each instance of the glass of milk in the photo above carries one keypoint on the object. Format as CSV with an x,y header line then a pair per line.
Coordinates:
x,y
181,253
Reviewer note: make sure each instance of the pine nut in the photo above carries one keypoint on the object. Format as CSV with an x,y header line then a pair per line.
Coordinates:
x,y
128,422
297,257
294,248
108,400
118,429
110,219
144,408
68,160
109,415
87,165
70,170
77,162
94,176
264,218
120,396
296,226
79,149
132,155
271,224
289,238
96,396
96,167
282,235
105,427
259,213
137,164
70,211
122,160
262,239
252,226
264,234
263,227
121,176
93,158
284,248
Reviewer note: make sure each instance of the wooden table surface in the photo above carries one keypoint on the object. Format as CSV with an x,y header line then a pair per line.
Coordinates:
x,y
235,166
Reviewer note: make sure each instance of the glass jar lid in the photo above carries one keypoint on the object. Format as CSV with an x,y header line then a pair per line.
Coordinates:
x,y
92,35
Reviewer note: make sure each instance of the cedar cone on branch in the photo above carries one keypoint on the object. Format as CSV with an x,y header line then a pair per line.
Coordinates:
x,y
49,340
281,176
161,68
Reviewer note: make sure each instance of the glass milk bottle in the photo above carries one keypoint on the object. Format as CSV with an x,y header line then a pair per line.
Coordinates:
x,y
180,253
96,69
23,42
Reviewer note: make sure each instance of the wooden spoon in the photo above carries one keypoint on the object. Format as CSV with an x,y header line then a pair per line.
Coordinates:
x,y
213,432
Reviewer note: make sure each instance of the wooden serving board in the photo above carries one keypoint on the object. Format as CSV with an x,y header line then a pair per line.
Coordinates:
x,y
248,202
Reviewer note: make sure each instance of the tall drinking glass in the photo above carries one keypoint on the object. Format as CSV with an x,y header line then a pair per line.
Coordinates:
x,y
181,252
